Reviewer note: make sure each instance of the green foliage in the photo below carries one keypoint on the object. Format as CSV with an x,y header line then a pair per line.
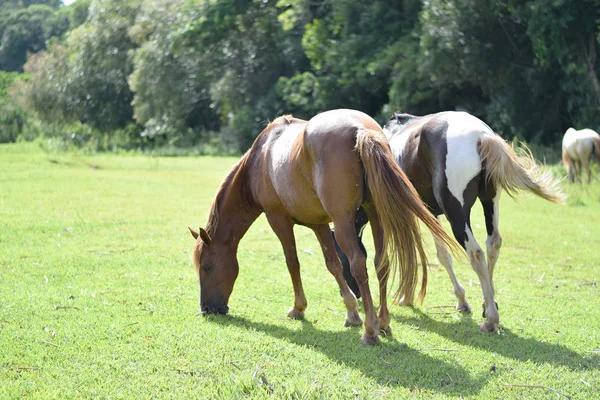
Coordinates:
x,y
98,297
172,99
25,27
528,68
347,44
12,118
78,12
186,73
85,79
245,51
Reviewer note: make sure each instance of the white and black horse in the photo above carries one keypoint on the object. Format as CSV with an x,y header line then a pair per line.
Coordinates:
x,y
452,159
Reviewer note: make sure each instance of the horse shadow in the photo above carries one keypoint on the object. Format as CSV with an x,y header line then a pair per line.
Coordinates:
x,y
392,364
506,343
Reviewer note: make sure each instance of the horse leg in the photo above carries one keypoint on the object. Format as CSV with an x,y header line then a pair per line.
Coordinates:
x,y
491,210
476,257
335,267
446,260
359,223
586,165
346,237
461,227
283,226
577,165
570,166
382,267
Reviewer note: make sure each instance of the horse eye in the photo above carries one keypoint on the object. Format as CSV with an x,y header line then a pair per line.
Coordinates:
x,y
207,267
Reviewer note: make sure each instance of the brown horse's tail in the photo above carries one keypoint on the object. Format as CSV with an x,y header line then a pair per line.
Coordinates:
x,y
515,172
398,206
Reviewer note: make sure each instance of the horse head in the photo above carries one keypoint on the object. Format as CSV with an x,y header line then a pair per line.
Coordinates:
x,y
217,268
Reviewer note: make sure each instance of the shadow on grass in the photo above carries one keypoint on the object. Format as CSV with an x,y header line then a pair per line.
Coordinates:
x,y
508,344
391,364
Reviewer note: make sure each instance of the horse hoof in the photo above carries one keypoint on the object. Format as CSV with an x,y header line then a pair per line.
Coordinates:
x,y
405,302
294,313
464,308
488,327
386,331
353,320
483,305
369,340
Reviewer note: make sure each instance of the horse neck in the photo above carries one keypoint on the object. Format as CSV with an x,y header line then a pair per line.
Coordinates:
x,y
237,211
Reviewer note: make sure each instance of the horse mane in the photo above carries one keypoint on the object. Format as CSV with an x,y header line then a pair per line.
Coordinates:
x,y
404,118
239,174
279,122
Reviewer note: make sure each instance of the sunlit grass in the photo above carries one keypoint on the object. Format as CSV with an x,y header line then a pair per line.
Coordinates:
x,y
98,297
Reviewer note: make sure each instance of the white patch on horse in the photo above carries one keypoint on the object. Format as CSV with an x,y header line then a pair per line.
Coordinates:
x,y
281,167
462,159
280,157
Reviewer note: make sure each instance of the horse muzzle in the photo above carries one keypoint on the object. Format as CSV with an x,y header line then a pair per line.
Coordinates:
x,y
205,310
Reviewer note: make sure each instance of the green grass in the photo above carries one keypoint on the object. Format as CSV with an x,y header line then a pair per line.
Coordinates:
x,y
98,298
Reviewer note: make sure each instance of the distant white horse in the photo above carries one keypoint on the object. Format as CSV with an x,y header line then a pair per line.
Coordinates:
x,y
577,147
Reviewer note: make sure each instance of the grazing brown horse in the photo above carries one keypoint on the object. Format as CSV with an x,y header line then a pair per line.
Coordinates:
x,y
577,147
311,173
453,158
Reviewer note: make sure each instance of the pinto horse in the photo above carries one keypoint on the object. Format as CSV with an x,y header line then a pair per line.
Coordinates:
x,y
453,158
577,147
311,173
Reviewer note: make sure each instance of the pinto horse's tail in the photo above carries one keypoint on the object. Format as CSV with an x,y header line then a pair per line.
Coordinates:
x,y
515,172
398,207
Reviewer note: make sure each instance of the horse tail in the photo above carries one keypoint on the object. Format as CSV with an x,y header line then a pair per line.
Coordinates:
x,y
515,172
565,159
398,207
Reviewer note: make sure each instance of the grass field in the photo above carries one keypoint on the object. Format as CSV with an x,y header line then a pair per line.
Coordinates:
x,y
98,298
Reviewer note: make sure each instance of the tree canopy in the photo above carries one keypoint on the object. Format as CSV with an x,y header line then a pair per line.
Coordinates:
x,y
181,72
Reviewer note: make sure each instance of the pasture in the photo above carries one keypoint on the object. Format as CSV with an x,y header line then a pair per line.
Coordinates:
x,y
98,297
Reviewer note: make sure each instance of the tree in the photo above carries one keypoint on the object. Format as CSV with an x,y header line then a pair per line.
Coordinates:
x,y
171,92
26,30
85,79
521,66
244,51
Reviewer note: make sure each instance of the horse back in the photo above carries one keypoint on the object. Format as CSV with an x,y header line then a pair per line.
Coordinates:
x,y
299,164
439,153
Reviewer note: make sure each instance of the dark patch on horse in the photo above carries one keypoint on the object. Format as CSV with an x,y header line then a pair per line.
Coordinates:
x,y
359,224
487,193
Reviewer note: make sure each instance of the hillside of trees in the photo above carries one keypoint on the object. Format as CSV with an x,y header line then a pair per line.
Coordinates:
x,y
143,74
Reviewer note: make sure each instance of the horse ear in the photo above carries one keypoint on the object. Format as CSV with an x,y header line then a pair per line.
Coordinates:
x,y
205,237
194,233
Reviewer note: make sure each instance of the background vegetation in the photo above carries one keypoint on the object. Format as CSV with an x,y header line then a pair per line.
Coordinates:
x,y
108,74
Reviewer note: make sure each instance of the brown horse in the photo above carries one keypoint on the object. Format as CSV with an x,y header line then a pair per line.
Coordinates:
x,y
311,173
